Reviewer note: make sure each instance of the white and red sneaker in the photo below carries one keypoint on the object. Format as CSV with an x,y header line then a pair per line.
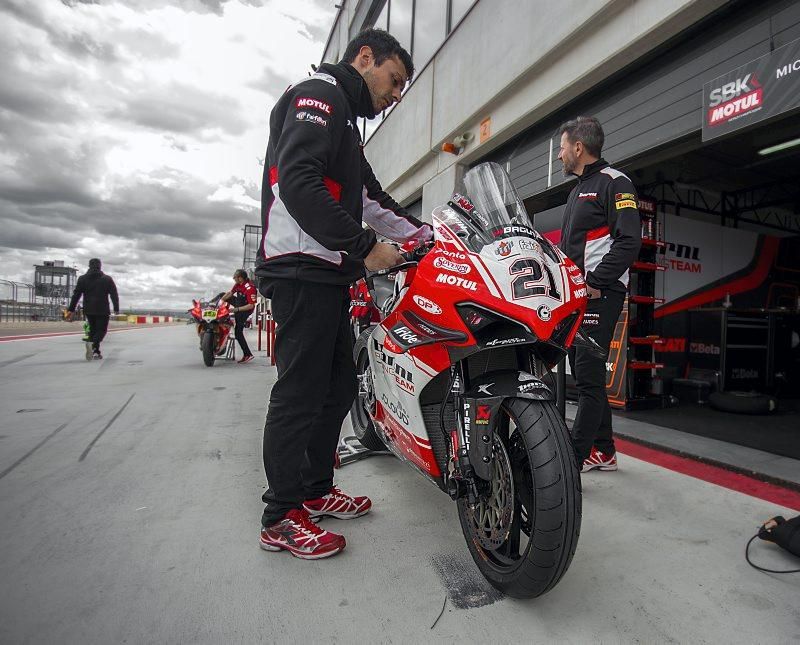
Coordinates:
x,y
599,461
300,536
338,504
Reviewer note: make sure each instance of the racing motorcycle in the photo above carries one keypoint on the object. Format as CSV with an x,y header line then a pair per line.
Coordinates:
x,y
455,380
214,324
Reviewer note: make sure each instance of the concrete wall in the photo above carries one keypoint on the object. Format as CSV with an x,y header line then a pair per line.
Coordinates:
x,y
515,62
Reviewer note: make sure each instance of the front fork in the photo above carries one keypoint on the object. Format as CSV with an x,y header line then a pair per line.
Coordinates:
x,y
461,478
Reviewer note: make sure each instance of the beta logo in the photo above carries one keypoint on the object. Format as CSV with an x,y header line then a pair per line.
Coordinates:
x,y
447,265
427,305
314,104
544,312
456,281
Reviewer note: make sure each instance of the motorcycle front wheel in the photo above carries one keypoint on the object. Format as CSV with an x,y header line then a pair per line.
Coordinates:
x,y
363,427
524,530
207,345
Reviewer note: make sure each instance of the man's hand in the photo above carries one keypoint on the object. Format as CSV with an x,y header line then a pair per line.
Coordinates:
x,y
593,293
382,256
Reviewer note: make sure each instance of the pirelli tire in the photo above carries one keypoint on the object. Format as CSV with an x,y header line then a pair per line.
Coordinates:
x,y
363,428
547,504
207,345
743,402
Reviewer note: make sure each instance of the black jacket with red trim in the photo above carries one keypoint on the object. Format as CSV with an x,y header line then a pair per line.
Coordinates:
x,y
601,230
318,186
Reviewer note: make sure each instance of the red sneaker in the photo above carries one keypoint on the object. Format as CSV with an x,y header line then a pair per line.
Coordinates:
x,y
297,534
246,359
599,461
338,504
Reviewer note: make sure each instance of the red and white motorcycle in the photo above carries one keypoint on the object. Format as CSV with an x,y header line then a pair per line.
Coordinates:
x,y
454,380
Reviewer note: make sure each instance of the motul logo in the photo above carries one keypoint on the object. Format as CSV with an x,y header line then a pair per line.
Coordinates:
x,y
457,281
305,102
735,108
734,99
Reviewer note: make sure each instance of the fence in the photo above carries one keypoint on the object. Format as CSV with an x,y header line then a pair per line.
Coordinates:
x,y
19,303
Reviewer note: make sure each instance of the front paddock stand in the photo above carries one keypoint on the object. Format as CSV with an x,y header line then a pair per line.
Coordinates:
x,y
350,450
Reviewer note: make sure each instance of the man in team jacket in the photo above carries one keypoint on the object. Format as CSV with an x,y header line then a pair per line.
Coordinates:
x,y
601,233
317,189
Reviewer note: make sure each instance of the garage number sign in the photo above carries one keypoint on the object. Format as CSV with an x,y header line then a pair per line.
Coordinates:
x,y
763,88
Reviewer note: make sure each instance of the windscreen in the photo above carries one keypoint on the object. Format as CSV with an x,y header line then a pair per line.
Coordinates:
x,y
488,206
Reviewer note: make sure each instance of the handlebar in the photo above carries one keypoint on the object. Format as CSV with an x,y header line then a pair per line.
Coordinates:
x,y
396,268
411,259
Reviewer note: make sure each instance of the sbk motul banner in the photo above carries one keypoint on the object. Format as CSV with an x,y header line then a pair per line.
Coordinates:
x,y
762,88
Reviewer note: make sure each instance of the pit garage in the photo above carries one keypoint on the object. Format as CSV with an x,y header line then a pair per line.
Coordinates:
x,y
707,129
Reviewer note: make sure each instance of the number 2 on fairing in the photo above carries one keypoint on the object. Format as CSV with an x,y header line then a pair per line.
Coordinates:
x,y
529,274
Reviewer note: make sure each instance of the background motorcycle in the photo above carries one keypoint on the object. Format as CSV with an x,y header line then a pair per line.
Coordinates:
x,y
214,324
455,380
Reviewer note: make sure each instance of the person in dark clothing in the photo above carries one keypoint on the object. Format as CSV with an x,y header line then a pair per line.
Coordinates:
x,y
318,188
96,288
243,298
601,233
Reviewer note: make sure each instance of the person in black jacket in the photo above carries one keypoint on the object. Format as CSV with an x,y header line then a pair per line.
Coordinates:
x,y
317,190
601,233
96,288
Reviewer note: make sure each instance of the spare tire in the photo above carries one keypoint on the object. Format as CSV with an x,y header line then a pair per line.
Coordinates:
x,y
743,402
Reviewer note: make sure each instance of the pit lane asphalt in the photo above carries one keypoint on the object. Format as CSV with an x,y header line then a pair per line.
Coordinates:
x,y
130,504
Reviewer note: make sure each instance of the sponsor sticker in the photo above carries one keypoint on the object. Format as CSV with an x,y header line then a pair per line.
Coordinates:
x,y
621,196
314,104
625,203
447,265
587,195
427,305
503,249
456,281
316,119
544,312
482,415
505,341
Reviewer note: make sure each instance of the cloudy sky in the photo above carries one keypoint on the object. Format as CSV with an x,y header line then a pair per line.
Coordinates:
x,y
135,130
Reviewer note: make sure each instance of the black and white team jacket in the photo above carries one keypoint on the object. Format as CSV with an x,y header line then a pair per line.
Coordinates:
x,y
601,231
318,186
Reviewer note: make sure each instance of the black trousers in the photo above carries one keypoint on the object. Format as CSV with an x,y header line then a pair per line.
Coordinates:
x,y
240,317
98,327
593,420
315,389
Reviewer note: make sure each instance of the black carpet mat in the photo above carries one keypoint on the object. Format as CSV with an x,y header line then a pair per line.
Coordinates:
x,y
777,433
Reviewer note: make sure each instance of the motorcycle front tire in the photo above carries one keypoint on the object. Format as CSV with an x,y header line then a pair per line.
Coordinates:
x,y
363,427
551,473
207,345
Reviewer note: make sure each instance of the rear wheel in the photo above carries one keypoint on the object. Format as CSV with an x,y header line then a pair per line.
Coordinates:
x,y
207,345
524,530
363,427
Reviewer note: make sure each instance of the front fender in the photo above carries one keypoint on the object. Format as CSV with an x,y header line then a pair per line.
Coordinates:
x,y
481,403
505,383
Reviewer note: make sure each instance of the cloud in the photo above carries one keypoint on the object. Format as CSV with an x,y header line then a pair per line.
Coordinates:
x,y
135,131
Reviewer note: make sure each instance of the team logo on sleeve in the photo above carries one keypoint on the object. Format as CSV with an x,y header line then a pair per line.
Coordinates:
x,y
311,118
313,104
625,200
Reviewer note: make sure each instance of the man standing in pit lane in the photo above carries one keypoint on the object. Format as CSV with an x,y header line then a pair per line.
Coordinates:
x,y
96,288
601,233
317,189
243,298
